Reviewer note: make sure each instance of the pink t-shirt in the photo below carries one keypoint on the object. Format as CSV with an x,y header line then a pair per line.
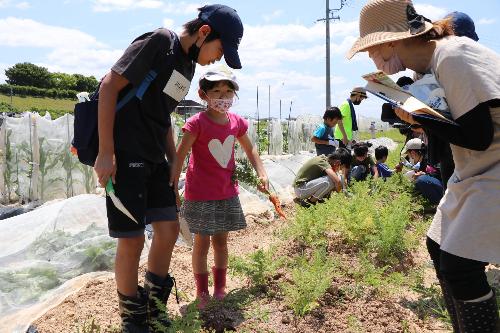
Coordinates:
x,y
211,164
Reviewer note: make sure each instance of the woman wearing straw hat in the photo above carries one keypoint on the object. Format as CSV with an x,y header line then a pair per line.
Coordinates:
x,y
465,233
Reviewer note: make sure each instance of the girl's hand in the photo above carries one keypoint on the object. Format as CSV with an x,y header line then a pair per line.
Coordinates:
x,y
405,116
263,184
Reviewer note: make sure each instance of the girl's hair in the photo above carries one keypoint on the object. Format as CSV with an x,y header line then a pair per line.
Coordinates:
x,y
361,148
206,85
193,26
441,28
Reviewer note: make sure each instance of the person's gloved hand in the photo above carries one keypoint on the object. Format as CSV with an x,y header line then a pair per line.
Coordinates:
x,y
334,143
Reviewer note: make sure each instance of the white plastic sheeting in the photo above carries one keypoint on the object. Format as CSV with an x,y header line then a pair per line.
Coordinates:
x,y
36,162
43,248
54,244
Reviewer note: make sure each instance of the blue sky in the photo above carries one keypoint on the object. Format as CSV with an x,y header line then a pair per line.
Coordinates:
x,y
283,46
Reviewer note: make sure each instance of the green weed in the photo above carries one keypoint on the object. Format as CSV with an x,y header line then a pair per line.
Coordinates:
x,y
258,267
310,279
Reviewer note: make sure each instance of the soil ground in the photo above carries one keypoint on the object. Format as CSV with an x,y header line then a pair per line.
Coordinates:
x,y
363,311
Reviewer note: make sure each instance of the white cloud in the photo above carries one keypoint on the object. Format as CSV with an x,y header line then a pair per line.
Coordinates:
x,y
3,67
120,5
23,5
431,12
485,21
18,5
95,62
36,34
123,5
274,15
267,46
182,8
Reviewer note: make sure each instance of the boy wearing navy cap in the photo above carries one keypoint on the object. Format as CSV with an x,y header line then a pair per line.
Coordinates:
x,y
134,142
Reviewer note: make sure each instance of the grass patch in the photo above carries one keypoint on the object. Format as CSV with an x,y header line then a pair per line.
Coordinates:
x,y
28,103
392,133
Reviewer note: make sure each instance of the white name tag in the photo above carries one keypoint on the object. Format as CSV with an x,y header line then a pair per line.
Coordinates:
x,y
177,86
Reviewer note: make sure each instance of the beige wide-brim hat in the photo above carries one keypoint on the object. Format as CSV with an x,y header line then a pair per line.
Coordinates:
x,y
382,21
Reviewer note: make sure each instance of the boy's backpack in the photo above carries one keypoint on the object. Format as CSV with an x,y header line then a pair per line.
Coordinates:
x,y
86,138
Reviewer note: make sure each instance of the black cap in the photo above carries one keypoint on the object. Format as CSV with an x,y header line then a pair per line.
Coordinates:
x,y
463,25
226,22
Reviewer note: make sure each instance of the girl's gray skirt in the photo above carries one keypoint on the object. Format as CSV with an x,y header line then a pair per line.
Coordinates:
x,y
214,216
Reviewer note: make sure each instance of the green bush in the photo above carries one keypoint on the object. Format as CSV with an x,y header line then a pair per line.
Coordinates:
x,y
258,267
24,91
310,280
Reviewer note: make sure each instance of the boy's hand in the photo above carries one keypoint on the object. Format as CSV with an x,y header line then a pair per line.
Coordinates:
x,y
105,167
174,184
263,184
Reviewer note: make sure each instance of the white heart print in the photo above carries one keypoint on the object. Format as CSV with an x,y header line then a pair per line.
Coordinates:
x,y
222,152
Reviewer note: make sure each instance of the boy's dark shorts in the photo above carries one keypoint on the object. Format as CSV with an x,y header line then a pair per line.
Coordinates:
x,y
143,188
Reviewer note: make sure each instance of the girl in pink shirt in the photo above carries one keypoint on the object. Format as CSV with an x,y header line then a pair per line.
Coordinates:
x,y
211,206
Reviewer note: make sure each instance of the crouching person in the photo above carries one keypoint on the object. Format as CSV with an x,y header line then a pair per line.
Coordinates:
x,y
319,176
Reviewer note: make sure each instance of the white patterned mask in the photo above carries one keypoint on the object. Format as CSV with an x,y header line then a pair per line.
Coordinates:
x,y
221,105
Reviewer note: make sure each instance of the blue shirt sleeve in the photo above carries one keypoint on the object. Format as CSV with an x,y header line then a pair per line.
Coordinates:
x,y
384,170
320,131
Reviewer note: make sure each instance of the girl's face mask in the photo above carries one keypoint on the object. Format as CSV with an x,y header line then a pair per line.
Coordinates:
x,y
391,66
221,105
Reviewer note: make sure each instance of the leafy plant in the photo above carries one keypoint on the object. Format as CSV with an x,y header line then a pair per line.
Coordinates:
x,y
188,323
310,280
259,266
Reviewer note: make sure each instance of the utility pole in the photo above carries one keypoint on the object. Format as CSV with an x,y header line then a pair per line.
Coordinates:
x,y
329,16
258,121
269,121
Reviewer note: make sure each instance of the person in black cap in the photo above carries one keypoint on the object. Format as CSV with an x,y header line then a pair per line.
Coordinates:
x,y
463,25
134,142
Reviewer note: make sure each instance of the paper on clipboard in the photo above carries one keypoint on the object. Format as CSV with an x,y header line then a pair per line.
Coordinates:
x,y
382,86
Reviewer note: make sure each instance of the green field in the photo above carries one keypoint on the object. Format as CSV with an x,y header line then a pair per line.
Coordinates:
x,y
27,103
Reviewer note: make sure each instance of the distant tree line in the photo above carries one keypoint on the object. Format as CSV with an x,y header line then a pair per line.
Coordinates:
x,y
32,80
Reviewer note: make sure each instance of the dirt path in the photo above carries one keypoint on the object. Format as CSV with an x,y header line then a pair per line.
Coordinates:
x,y
98,299
337,313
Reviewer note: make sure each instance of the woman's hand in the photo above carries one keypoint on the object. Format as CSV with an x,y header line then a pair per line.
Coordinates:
x,y
405,116
263,184
418,174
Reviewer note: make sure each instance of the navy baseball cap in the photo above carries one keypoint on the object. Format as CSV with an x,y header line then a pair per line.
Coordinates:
x,y
226,22
463,25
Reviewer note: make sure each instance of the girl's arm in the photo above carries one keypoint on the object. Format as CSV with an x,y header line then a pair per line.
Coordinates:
x,y
186,143
254,158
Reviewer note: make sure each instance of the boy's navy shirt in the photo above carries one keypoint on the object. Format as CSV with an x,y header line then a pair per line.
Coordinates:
x,y
141,126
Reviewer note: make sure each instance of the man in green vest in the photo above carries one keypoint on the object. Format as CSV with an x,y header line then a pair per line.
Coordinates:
x,y
344,129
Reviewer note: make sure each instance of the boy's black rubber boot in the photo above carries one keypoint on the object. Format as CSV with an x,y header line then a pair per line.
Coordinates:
x,y
157,290
133,311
